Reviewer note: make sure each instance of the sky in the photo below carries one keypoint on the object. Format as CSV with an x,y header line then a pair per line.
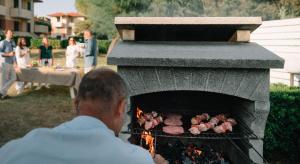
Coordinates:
x,y
52,6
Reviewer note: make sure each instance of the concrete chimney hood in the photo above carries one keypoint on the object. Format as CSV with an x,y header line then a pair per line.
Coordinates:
x,y
214,42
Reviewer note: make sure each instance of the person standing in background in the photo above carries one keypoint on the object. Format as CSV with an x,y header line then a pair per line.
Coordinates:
x,y
46,57
23,60
9,66
90,51
45,51
72,53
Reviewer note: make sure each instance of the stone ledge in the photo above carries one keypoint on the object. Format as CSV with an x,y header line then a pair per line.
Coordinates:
x,y
194,54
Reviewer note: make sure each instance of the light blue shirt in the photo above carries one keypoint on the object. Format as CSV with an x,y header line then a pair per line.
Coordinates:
x,y
83,140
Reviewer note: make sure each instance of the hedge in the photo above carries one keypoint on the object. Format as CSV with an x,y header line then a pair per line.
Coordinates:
x,y
35,43
282,133
102,44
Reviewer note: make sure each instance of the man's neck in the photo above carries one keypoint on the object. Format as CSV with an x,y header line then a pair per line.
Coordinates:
x,y
8,39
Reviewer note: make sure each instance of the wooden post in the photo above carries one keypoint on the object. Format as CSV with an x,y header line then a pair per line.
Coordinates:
x,y
128,34
240,36
292,79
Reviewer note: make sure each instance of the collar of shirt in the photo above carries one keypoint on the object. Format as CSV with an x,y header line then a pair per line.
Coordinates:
x,y
88,122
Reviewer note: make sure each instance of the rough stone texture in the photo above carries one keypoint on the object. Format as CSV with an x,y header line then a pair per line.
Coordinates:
x,y
250,84
194,54
258,146
261,113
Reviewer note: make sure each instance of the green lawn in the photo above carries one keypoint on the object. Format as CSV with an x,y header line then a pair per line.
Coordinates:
x,y
42,108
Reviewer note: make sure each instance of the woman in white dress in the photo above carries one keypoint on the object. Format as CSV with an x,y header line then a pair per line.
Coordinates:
x,y
72,53
23,60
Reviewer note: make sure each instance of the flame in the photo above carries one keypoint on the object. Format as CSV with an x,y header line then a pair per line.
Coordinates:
x,y
149,141
139,112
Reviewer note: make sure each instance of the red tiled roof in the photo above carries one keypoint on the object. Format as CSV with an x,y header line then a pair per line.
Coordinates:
x,y
70,14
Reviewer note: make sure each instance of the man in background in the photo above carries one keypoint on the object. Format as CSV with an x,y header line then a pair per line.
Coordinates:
x,y
8,63
90,51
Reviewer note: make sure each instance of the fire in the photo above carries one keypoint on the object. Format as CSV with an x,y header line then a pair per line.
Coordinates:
x,y
139,112
149,141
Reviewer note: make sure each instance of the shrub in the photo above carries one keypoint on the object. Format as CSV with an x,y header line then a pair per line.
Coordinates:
x,y
64,43
36,43
282,138
103,46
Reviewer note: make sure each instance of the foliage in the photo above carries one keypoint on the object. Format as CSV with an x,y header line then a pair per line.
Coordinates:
x,y
64,43
81,26
100,13
282,133
103,46
36,43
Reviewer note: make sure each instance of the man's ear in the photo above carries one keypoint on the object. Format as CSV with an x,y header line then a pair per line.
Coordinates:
x,y
121,107
76,104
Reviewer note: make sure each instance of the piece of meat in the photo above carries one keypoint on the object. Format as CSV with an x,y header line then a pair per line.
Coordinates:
x,y
226,126
203,127
199,118
214,120
195,121
204,116
154,114
174,130
148,125
148,116
195,130
221,117
232,121
173,120
174,116
141,120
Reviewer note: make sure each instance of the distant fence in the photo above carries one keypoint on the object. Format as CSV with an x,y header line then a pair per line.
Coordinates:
x,y
283,38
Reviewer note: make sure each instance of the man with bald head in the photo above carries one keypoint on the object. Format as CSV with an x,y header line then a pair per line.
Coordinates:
x,y
90,137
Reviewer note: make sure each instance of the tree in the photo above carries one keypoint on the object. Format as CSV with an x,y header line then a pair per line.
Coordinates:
x,y
81,26
101,13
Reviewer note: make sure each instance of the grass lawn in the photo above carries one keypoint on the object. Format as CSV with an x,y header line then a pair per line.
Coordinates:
x,y
42,108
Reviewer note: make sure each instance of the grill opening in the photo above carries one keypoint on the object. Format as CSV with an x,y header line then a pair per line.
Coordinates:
x,y
233,146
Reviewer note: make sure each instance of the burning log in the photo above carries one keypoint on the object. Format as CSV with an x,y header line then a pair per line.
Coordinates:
x,y
202,154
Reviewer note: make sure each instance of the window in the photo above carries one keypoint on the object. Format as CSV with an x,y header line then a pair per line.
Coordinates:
x,y
2,2
58,19
16,3
2,24
28,27
16,26
71,19
29,5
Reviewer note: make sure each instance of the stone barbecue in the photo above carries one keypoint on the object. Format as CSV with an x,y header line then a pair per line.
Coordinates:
x,y
196,65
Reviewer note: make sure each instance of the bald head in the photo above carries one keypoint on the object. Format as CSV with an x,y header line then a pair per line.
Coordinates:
x,y
103,85
102,94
